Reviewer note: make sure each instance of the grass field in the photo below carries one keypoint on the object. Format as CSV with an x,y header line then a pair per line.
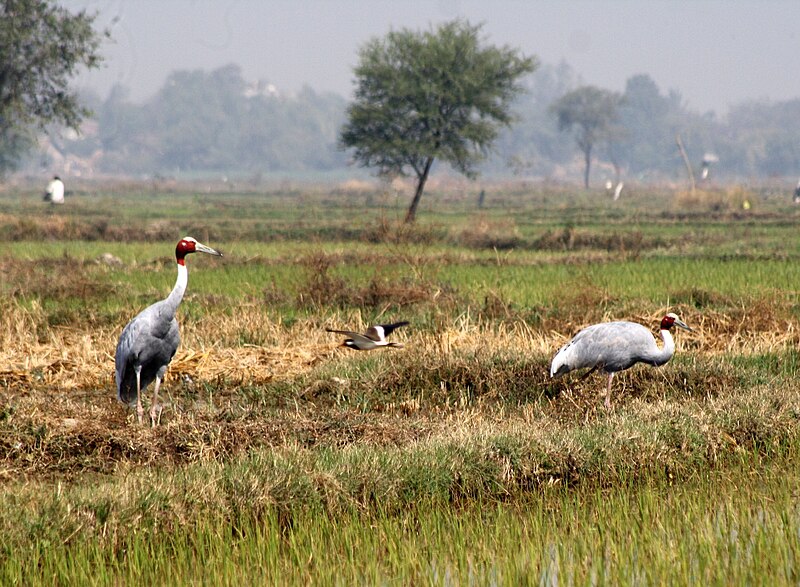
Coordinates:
x,y
284,458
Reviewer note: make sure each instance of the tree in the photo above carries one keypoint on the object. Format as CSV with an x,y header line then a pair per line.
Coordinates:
x,y
534,143
426,95
590,113
42,45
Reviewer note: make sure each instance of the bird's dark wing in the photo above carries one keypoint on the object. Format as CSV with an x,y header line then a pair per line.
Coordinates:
x,y
345,332
379,332
375,333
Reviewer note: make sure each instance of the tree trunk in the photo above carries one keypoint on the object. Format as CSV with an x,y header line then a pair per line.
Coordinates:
x,y
686,162
588,157
411,215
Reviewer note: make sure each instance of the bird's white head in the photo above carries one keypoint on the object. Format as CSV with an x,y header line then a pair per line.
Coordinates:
x,y
671,320
190,245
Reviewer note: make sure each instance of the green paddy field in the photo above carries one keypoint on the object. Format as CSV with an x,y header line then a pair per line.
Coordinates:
x,y
283,458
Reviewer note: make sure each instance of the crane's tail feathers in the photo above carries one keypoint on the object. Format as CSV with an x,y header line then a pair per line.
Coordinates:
x,y
126,388
127,395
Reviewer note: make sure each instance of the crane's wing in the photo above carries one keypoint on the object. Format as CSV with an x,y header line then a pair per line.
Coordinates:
x,y
611,346
149,340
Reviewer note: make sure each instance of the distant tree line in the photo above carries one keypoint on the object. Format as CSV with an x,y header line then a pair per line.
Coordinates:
x,y
757,139
202,121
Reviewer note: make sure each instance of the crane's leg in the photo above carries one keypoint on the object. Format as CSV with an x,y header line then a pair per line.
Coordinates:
x,y
139,409
608,391
590,371
155,408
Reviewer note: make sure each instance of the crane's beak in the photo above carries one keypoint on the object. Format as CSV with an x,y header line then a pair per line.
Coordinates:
x,y
201,248
682,324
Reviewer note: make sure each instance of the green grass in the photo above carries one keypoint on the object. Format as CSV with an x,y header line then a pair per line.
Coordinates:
x,y
736,527
458,461
248,269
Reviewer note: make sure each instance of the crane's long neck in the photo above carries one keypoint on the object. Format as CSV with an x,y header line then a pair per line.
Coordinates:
x,y
176,295
660,356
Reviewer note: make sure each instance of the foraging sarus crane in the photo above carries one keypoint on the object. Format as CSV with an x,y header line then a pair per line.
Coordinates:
x,y
373,338
615,346
149,341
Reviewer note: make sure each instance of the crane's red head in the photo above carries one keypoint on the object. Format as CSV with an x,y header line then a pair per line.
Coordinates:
x,y
671,320
189,245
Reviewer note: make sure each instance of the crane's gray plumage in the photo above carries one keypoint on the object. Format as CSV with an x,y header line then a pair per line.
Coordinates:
x,y
373,338
149,341
615,346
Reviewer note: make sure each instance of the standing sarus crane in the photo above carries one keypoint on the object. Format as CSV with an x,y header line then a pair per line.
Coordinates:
x,y
615,346
373,338
149,341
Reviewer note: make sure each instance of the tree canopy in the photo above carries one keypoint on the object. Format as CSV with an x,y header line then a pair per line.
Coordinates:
x,y
421,96
590,113
42,46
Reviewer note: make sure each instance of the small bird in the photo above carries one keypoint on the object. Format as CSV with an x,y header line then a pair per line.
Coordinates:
x,y
374,337
149,341
708,160
615,346
618,190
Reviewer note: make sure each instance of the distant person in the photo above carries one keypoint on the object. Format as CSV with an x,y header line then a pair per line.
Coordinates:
x,y
55,191
796,198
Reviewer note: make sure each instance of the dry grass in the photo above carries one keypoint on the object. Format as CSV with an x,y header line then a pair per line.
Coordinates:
x,y
735,199
467,452
485,233
64,228
79,359
246,377
323,289
60,417
629,243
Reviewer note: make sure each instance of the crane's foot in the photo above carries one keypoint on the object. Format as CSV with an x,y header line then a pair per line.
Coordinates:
x,y
155,415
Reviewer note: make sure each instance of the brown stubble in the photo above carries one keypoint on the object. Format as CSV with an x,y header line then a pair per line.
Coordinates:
x,y
59,416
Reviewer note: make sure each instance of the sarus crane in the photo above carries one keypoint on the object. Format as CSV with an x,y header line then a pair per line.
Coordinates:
x,y
373,338
149,341
615,346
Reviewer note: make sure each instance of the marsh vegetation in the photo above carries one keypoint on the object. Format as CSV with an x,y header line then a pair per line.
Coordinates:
x,y
456,459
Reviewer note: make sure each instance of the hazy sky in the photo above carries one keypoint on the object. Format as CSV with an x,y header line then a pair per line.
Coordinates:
x,y
715,53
